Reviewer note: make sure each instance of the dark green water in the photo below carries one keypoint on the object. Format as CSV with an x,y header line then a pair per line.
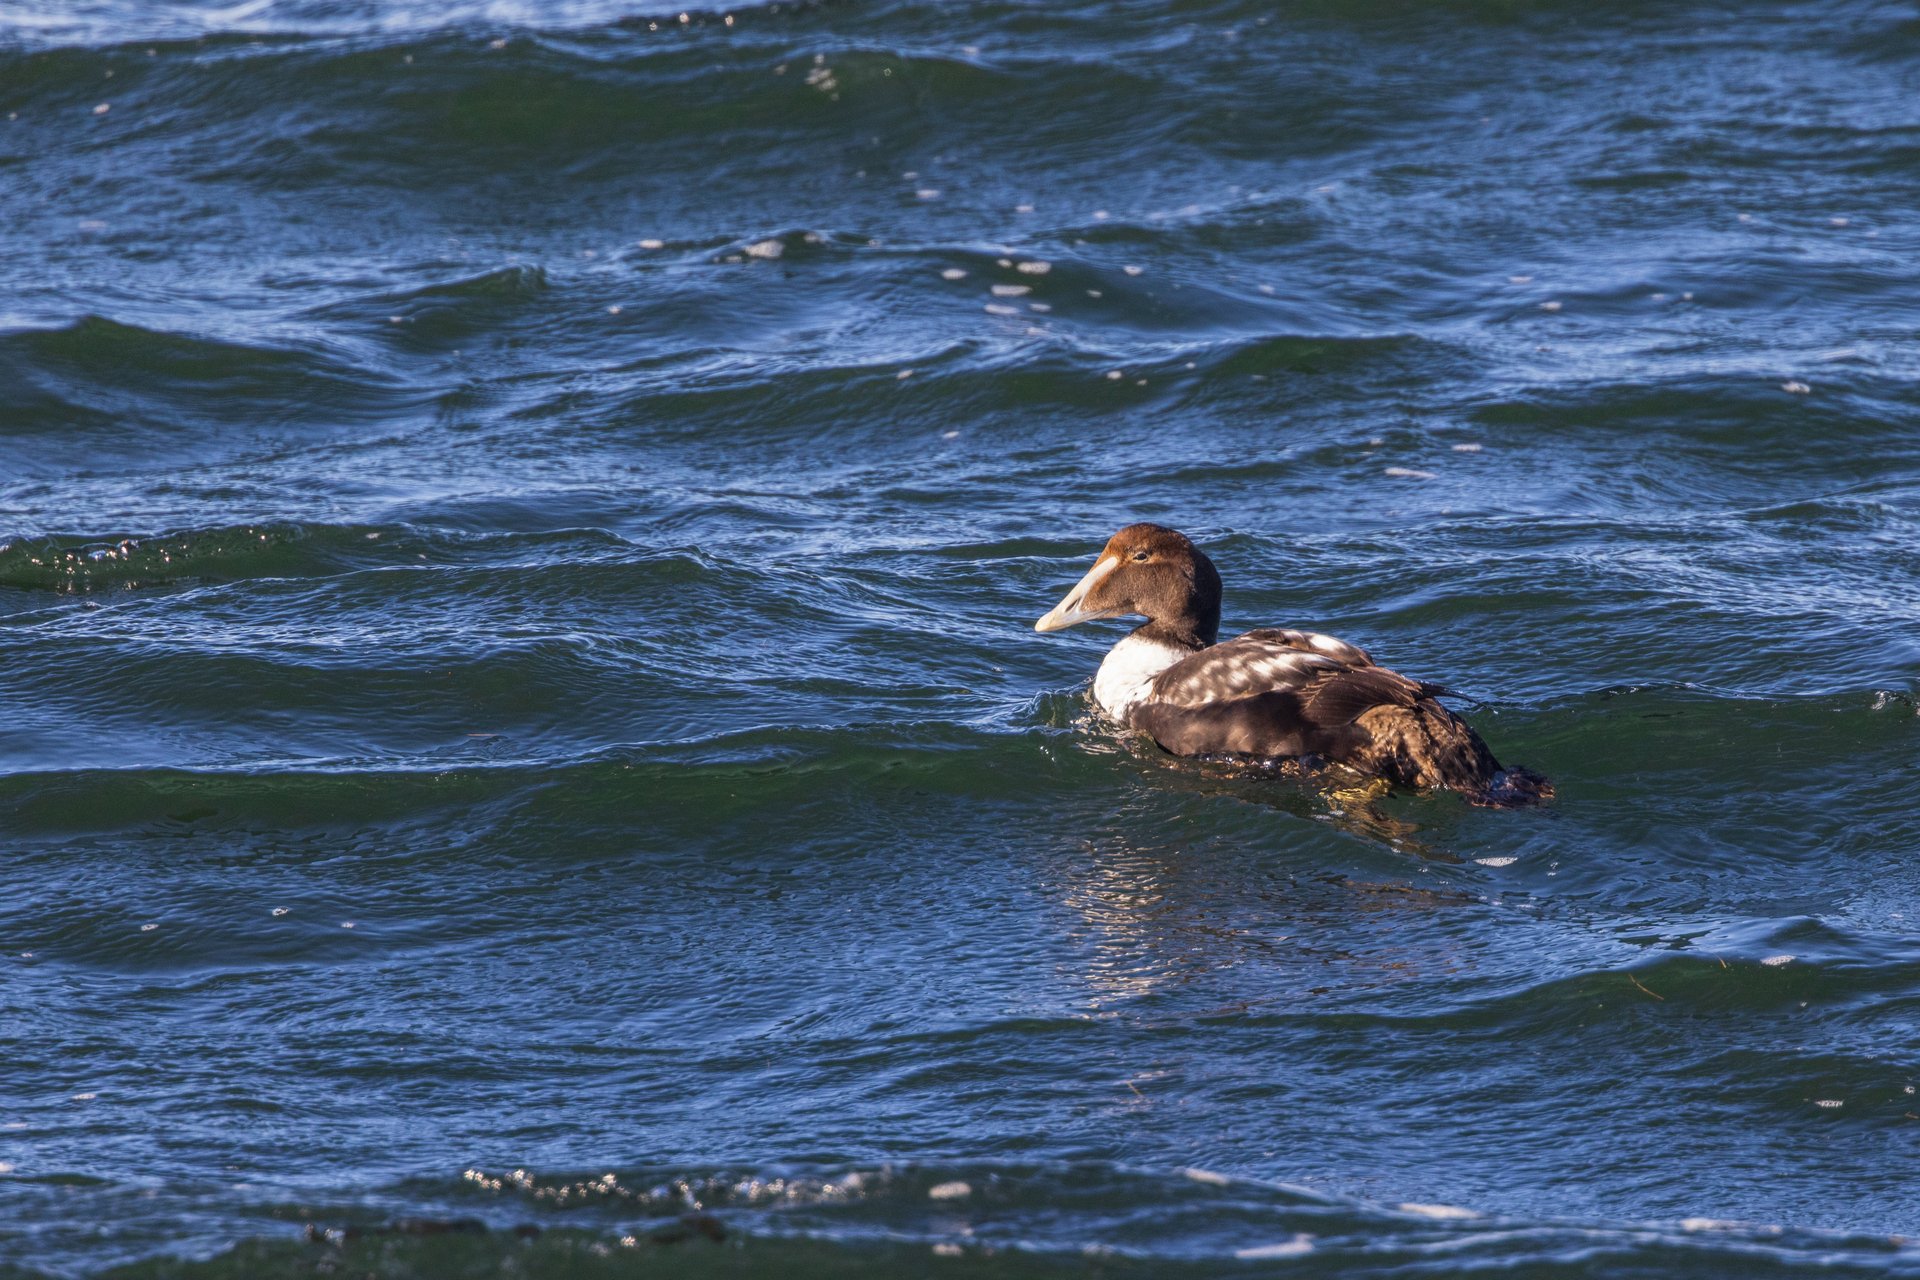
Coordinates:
x,y
522,526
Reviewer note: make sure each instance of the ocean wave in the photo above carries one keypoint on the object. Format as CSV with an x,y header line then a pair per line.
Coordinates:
x,y
996,1219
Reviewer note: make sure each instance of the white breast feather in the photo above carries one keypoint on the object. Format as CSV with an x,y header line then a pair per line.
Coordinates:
x,y
1127,674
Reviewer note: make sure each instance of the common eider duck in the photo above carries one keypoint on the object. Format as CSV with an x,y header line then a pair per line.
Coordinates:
x,y
1273,694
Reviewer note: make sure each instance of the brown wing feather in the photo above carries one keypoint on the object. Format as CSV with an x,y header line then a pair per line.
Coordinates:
x,y
1277,693
1237,669
1313,642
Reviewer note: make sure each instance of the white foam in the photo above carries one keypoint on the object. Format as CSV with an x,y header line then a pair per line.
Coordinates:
x,y
955,1190
1795,387
1294,1248
1011,290
1496,862
1035,268
953,273
766,249
1774,962
1438,1212
651,243
1208,1177
1411,473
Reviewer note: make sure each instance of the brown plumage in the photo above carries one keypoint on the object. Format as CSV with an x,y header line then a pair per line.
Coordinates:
x,y
1271,693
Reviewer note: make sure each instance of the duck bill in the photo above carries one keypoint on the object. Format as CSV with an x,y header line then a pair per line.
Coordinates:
x,y
1071,608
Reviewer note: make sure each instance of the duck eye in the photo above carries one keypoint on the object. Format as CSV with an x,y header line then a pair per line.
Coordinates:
x,y
1139,555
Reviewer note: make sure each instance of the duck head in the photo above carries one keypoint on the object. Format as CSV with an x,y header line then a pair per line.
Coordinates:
x,y
1148,571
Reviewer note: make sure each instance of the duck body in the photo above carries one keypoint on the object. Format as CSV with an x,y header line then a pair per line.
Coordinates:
x,y
1273,693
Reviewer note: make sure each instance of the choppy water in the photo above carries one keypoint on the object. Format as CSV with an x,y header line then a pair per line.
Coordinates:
x,y
517,700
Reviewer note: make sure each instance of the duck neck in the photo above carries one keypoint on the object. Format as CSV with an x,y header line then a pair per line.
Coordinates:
x,y
1190,621
1190,633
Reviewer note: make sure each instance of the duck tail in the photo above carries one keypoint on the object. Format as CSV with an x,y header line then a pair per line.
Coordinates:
x,y
1514,788
1425,745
